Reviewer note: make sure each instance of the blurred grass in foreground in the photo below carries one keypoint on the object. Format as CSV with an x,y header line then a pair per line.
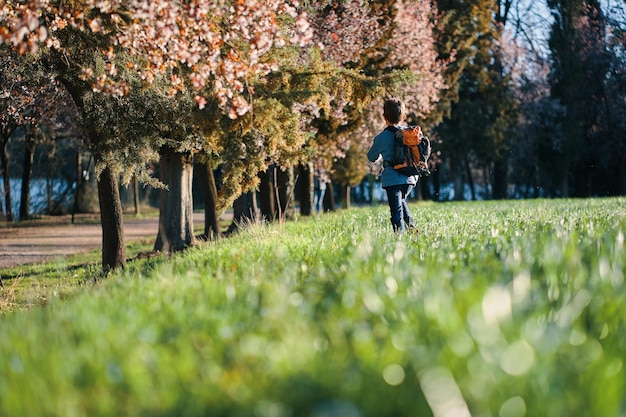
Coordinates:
x,y
503,309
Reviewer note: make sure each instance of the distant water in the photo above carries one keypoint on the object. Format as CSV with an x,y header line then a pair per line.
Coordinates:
x,y
59,193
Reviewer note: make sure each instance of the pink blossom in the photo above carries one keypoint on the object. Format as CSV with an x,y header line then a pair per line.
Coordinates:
x,y
200,101
166,34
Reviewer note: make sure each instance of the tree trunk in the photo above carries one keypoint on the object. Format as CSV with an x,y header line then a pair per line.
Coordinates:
x,y
457,177
306,189
329,197
371,183
113,243
470,179
458,186
48,186
136,195
424,189
621,179
500,180
209,192
176,203
267,194
284,183
4,156
27,170
345,196
360,195
79,176
527,184
244,210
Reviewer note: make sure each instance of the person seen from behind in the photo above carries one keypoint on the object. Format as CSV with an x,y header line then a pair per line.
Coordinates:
x,y
397,186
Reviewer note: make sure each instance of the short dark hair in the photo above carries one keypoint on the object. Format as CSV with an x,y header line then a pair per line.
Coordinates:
x,y
393,110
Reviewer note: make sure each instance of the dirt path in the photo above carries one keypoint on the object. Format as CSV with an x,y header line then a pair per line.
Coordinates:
x,y
34,242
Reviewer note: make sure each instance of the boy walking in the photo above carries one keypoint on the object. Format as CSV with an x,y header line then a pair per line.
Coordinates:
x,y
397,186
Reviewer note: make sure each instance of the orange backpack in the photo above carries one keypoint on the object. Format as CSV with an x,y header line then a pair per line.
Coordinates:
x,y
411,151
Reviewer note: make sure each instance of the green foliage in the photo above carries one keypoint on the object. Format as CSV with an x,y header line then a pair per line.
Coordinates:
x,y
298,111
509,308
351,169
460,25
270,134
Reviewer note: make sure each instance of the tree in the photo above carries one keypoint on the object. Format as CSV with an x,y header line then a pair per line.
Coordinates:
x,y
613,111
580,69
478,108
539,135
482,120
567,76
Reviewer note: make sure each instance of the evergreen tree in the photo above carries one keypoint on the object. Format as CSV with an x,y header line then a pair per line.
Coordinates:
x,y
580,67
478,108
613,114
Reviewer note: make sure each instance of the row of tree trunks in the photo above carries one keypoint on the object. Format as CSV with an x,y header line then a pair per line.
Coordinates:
x,y
245,210
621,175
272,203
276,196
176,230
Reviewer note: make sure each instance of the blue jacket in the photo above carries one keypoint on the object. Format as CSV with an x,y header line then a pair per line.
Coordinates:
x,y
383,147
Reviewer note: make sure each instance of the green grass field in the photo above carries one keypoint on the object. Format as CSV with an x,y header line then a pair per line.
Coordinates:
x,y
505,309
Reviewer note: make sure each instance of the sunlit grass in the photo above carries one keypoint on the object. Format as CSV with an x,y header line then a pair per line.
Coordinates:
x,y
494,309
33,285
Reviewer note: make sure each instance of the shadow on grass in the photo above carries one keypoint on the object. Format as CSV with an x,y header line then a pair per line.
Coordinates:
x,y
27,286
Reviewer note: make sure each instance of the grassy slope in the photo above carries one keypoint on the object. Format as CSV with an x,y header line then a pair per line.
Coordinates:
x,y
501,308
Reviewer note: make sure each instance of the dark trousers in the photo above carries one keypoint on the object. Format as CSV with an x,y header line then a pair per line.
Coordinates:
x,y
400,214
